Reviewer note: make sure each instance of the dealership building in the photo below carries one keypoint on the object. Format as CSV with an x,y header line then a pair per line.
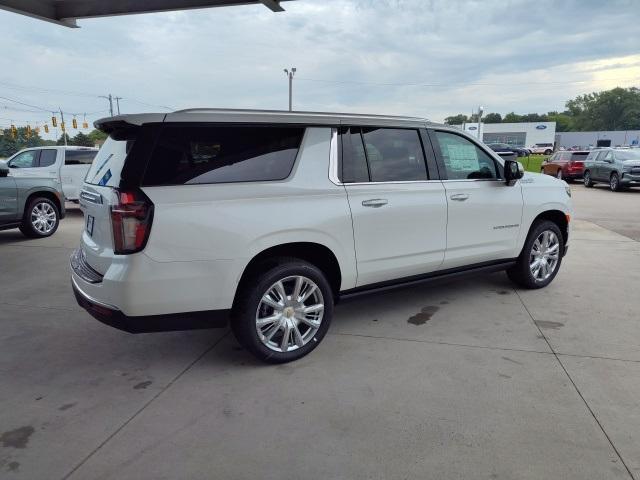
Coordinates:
x,y
523,134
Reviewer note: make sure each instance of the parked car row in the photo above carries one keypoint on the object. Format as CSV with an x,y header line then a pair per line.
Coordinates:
x,y
617,167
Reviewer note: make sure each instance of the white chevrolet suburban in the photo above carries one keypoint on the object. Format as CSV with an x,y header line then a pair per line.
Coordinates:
x,y
266,219
68,165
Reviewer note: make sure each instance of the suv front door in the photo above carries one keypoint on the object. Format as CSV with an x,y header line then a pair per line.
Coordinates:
x,y
484,214
399,211
40,163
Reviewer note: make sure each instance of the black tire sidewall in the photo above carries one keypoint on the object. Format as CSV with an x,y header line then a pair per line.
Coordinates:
x,y
617,185
243,317
521,272
587,179
27,228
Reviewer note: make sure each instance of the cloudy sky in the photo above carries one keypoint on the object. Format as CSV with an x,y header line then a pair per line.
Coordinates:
x,y
430,58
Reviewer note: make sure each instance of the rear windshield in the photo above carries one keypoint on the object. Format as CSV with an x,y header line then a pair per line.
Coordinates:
x,y
79,157
579,156
107,164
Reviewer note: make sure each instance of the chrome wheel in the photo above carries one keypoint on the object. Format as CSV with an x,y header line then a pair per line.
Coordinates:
x,y
43,218
613,182
544,255
289,313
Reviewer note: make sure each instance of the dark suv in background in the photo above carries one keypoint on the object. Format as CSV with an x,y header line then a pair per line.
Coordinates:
x,y
567,165
617,167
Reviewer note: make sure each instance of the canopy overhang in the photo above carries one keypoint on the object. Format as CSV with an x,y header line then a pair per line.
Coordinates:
x,y
66,12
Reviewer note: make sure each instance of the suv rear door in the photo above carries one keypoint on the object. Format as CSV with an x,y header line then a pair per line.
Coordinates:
x,y
398,209
484,214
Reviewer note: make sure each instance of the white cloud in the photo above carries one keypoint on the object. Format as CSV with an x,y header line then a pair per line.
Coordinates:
x,y
458,54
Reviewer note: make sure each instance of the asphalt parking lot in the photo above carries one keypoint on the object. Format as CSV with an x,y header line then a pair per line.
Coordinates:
x,y
467,379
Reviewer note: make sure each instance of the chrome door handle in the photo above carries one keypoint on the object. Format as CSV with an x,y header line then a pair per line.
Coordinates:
x,y
459,197
375,202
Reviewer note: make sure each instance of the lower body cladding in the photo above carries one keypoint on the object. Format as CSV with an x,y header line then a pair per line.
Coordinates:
x,y
136,297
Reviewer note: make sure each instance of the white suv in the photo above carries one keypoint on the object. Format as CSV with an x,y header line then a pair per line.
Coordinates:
x,y
269,218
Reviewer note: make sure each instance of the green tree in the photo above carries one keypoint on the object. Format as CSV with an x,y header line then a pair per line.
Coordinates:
x,y
564,121
456,119
82,140
493,118
512,117
615,109
97,137
60,140
23,139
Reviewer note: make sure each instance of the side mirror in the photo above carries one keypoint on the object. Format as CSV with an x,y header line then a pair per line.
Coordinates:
x,y
513,171
4,169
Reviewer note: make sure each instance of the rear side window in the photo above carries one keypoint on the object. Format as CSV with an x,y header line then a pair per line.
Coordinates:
x,y
47,157
79,157
107,165
219,154
382,155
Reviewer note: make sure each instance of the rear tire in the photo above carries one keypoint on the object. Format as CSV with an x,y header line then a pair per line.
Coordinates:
x,y
41,218
548,152
538,263
276,327
559,174
587,179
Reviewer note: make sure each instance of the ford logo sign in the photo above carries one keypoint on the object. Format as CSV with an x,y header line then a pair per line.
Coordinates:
x,y
541,127
475,128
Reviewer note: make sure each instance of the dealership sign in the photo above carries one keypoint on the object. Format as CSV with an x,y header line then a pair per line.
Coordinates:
x,y
541,127
473,128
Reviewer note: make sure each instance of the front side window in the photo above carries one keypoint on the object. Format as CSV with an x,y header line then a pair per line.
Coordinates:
x,y
26,159
48,157
463,159
219,154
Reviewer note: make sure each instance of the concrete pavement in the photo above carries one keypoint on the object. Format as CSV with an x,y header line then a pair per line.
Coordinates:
x,y
468,379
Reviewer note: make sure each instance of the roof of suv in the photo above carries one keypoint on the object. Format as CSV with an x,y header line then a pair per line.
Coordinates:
x,y
261,116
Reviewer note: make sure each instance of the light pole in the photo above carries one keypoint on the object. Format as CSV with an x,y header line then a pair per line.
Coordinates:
x,y
290,75
480,112
118,104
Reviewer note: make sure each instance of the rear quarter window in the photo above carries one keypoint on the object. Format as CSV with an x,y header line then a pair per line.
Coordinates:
x,y
79,157
188,154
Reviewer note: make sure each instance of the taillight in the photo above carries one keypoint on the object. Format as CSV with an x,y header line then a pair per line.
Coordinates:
x,y
131,221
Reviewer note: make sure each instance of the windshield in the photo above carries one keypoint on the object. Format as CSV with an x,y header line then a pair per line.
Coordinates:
x,y
628,155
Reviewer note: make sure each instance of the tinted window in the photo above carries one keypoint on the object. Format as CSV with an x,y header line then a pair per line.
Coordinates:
x,y
579,156
26,159
394,154
217,154
79,157
463,159
354,161
47,157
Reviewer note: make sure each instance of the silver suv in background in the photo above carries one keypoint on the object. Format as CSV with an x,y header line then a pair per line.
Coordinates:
x,y
68,165
33,204
617,167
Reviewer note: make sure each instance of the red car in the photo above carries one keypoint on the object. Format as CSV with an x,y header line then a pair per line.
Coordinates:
x,y
568,165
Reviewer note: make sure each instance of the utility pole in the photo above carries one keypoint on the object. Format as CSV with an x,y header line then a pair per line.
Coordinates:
x,y
118,104
63,127
110,98
290,75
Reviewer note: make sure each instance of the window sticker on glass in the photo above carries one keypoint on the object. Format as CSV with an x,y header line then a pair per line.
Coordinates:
x,y
462,157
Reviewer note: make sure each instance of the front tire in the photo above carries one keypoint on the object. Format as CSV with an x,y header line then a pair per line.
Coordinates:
x,y
587,179
283,310
541,256
614,182
41,218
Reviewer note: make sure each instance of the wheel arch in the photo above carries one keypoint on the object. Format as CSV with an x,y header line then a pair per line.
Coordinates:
x,y
315,253
556,216
48,194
